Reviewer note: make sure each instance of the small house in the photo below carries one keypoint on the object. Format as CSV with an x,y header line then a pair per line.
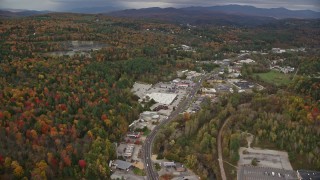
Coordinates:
x,y
169,164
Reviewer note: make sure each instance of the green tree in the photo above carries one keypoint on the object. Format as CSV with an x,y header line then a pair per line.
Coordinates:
x,y
101,151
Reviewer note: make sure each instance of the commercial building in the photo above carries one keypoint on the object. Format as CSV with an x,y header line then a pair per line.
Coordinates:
x,y
163,98
208,90
243,85
182,85
265,173
147,114
133,134
306,175
122,165
169,164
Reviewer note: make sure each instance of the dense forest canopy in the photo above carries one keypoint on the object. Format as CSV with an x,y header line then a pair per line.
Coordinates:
x,y
60,115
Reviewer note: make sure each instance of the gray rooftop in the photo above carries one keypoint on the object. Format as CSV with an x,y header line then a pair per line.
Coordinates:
x,y
122,164
306,174
244,84
265,173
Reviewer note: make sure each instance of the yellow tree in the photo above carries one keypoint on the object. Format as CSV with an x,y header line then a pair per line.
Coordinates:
x,y
39,172
191,161
18,171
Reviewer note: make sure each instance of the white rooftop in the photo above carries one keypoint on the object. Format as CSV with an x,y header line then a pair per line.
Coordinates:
x,y
208,90
151,113
140,89
247,61
155,117
163,98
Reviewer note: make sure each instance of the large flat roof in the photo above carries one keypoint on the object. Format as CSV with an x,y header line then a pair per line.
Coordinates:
x,y
265,173
307,174
163,98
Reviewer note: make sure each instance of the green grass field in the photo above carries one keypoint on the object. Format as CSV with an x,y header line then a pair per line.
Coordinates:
x,y
138,172
274,77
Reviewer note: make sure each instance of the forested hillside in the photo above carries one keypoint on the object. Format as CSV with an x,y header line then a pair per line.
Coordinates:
x,y
281,121
61,115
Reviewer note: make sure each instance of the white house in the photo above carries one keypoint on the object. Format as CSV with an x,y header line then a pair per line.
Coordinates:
x,y
278,50
186,48
247,61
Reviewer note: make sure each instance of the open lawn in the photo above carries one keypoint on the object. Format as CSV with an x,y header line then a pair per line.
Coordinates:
x,y
138,172
274,77
146,132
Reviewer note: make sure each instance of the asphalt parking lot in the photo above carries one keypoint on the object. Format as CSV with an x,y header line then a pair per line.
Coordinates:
x,y
266,158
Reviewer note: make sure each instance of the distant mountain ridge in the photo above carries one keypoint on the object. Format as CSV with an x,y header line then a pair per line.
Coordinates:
x,y
193,16
96,10
217,15
20,12
279,13
230,13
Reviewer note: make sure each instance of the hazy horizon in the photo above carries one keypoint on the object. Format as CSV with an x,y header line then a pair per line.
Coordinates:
x,y
67,5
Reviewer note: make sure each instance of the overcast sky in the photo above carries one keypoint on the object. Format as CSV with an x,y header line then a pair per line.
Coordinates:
x,y
60,5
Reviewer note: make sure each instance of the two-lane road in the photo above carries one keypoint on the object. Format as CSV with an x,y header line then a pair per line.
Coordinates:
x,y
147,148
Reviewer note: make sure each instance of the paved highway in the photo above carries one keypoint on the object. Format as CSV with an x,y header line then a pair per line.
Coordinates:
x,y
147,148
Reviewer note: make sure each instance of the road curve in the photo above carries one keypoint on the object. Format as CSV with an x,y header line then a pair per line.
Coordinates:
x,y
147,147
